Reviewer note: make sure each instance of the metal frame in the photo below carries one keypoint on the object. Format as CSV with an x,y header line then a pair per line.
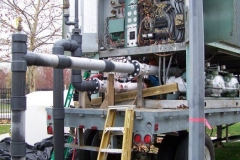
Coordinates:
x,y
168,120
172,47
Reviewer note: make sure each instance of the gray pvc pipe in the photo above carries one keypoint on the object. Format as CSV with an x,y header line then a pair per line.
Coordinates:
x,y
58,110
18,98
82,63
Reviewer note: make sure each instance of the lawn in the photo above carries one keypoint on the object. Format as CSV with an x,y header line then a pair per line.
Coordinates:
x,y
232,130
5,128
230,151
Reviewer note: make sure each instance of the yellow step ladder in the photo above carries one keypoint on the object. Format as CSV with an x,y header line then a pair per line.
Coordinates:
x,y
109,130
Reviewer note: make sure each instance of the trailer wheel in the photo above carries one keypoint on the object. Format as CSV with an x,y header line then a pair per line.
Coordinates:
x,y
182,150
96,143
168,147
88,137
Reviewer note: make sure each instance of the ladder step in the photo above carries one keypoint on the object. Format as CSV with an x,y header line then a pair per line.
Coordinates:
x,y
89,148
109,131
114,129
108,150
121,107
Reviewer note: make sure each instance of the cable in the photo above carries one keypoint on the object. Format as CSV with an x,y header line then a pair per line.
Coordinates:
x,y
104,34
179,6
211,133
122,8
211,57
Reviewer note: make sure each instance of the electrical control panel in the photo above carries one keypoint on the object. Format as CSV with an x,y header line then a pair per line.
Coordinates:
x,y
131,23
136,23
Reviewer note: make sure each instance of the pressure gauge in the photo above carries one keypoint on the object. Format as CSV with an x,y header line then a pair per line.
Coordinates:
x,y
135,19
129,20
129,13
135,12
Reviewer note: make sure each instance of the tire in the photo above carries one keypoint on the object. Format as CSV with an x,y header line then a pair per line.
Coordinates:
x,y
88,137
182,150
96,143
168,147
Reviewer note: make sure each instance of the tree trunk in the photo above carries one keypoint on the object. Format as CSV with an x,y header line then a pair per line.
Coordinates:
x,y
31,74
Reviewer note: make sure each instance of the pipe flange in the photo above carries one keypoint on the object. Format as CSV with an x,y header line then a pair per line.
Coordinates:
x,y
137,68
96,84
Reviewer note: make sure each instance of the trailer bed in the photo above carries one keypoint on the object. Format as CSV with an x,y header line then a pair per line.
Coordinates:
x,y
153,121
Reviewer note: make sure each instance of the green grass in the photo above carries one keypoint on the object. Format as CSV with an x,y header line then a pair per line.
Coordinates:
x,y
5,128
232,130
230,151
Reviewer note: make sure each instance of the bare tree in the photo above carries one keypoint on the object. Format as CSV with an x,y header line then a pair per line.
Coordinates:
x,y
67,77
3,78
41,21
44,77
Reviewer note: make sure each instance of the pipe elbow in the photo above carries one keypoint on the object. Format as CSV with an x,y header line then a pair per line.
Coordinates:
x,y
91,86
62,43
66,45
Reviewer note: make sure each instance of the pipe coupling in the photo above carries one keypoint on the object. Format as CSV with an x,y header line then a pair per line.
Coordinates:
x,y
96,86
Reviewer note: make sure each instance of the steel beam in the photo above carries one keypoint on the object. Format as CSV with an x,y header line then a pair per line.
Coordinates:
x,y
195,80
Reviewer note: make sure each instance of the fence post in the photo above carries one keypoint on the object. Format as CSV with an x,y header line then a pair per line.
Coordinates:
x,y
5,110
18,98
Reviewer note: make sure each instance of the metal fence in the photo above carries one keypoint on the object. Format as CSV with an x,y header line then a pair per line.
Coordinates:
x,y
5,103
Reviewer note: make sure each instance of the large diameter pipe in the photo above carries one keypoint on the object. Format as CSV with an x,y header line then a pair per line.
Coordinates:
x,y
18,98
87,64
